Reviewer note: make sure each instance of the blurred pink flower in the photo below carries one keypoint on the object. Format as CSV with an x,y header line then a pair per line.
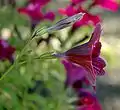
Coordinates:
x,y
111,5
87,56
6,51
88,101
33,11
35,14
88,19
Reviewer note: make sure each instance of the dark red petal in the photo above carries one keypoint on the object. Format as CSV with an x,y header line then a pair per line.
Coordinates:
x,y
85,62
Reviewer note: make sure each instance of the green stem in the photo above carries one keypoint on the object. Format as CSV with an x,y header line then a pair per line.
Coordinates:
x,y
8,70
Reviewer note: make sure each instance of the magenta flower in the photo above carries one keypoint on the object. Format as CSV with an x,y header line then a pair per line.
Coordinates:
x,y
107,4
87,101
6,51
35,14
33,11
88,19
87,56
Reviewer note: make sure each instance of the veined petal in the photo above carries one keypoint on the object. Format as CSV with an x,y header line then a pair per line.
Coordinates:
x,y
98,65
85,62
83,55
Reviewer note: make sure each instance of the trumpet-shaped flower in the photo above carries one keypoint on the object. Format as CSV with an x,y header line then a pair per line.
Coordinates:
x,y
87,56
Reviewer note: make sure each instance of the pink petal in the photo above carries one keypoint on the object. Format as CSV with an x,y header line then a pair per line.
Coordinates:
x,y
107,4
88,19
62,11
33,11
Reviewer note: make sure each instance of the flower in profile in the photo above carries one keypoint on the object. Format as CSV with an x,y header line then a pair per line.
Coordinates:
x,y
6,51
87,101
111,5
88,18
88,56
